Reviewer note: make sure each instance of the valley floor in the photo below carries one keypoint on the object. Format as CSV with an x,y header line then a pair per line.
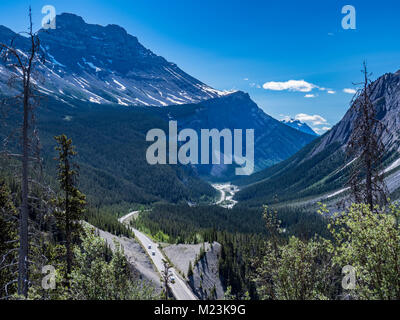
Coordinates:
x,y
227,191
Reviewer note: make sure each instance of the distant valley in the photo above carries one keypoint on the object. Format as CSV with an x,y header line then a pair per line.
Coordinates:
x,y
105,89
321,169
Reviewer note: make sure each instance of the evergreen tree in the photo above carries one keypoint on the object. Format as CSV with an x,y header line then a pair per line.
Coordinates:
x,y
97,277
72,203
8,241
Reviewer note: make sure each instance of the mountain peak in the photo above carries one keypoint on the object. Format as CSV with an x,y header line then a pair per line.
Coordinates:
x,y
68,19
117,28
107,65
72,23
237,94
298,125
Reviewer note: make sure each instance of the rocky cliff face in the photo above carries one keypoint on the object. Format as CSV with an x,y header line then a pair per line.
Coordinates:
x,y
205,281
322,167
107,65
385,96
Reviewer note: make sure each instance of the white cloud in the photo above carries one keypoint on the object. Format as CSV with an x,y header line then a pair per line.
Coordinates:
x,y
350,91
285,117
291,85
246,79
309,96
321,130
318,123
331,91
315,119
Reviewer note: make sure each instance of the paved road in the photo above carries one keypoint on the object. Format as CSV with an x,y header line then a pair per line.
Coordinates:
x,y
179,289
223,196
225,188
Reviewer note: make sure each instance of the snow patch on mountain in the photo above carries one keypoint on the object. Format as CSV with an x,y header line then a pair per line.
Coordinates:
x,y
298,125
105,64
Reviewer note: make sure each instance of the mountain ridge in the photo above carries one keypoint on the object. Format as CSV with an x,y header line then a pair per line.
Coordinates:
x,y
322,168
273,140
105,64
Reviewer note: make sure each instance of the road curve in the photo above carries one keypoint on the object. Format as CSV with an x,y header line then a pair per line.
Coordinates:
x,y
224,189
179,289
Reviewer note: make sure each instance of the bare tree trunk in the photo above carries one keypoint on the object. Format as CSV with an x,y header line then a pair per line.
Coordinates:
x,y
368,185
166,278
25,64
365,145
23,233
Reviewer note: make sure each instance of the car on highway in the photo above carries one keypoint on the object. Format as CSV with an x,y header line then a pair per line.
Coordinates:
x,y
153,253
149,246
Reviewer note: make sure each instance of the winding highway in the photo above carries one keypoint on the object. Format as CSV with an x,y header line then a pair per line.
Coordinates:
x,y
179,288
227,191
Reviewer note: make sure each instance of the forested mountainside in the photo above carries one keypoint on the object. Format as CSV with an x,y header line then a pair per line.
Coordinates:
x,y
112,153
273,141
112,144
86,63
322,166
266,252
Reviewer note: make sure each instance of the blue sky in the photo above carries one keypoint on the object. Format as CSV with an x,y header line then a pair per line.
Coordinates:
x,y
244,45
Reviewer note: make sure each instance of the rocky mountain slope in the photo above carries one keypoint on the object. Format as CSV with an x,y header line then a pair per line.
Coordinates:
x,y
273,140
321,167
95,65
106,65
205,280
385,95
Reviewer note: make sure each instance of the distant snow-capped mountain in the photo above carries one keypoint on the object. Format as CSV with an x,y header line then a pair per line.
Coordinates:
x,y
298,125
107,65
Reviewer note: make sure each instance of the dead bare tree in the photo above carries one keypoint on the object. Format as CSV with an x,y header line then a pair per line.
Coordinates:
x,y
166,278
365,149
21,66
